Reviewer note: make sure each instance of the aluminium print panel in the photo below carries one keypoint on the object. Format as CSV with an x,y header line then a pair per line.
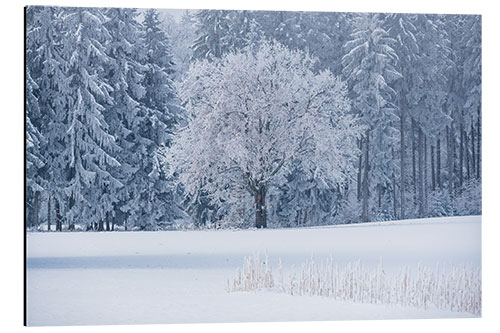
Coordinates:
x,y
197,166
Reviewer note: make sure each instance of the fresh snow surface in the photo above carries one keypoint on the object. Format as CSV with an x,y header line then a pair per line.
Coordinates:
x,y
89,278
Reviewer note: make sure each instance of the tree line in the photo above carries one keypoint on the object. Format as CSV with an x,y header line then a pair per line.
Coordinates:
x,y
103,108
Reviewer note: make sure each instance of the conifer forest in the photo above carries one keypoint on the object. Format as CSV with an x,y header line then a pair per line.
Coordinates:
x,y
139,120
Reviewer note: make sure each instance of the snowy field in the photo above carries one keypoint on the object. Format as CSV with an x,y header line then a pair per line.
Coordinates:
x,y
181,276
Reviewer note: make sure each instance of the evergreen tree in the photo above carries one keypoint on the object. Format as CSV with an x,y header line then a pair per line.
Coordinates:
x,y
222,31
159,199
182,35
211,28
89,146
35,160
369,68
48,92
401,27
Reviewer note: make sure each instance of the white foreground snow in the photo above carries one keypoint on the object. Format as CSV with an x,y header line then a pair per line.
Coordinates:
x,y
180,276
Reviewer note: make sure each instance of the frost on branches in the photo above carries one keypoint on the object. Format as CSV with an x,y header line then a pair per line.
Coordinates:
x,y
252,117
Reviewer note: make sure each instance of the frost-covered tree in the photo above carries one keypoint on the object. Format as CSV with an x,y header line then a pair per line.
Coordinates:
x,y
369,68
428,95
35,161
162,115
124,72
90,147
473,85
48,90
465,108
252,117
402,29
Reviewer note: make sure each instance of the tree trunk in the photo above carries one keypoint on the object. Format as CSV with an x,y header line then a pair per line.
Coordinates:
x,y
426,173
461,158
449,138
473,149
71,224
100,227
107,222
260,207
58,215
420,173
360,168
433,173
48,213
413,157
379,188
35,209
478,168
467,157
394,190
113,223
402,167
394,197
366,185
438,161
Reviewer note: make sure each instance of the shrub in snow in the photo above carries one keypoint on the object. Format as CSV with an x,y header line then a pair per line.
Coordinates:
x,y
455,289
256,274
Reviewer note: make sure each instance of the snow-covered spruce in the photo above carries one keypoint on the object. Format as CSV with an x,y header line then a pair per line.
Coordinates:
x,y
446,288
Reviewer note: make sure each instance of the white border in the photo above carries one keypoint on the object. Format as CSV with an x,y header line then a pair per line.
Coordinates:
x,y
11,173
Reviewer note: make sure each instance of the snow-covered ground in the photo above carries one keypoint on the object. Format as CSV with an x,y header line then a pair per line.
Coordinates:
x,y
85,278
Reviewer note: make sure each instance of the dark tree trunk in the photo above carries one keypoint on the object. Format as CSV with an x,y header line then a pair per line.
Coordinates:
x,y
473,148
100,227
426,173
478,168
48,213
113,220
420,173
379,187
438,162
107,222
58,215
71,224
394,190
414,167
461,158
360,168
36,209
366,185
449,138
394,197
402,166
260,207
433,173
467,155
